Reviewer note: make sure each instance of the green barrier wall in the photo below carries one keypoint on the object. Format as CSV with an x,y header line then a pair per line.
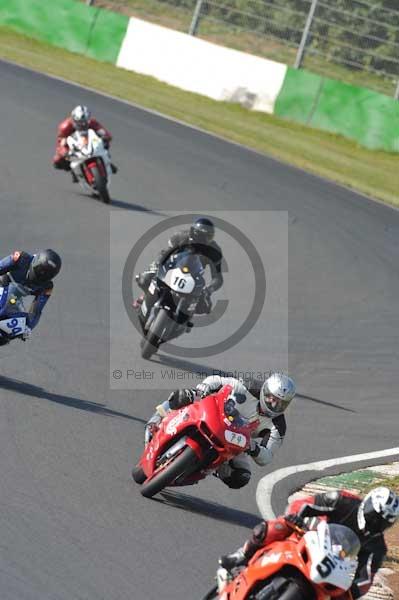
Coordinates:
x,y
370,118
91,31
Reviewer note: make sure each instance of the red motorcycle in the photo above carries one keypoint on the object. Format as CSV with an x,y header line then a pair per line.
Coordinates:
x,y
192,442
318,564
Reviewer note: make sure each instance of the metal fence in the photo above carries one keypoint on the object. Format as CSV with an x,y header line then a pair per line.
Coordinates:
x,y
352,40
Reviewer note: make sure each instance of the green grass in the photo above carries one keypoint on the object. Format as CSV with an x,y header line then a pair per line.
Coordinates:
x,y
391,482
332,156
253,42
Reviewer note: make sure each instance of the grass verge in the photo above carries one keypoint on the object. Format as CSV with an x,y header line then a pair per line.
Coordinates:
x,y
331,156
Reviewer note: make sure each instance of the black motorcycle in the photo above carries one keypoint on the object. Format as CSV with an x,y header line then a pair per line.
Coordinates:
x,y
171,300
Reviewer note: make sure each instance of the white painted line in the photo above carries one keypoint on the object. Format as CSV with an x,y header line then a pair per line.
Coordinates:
x,y
265,486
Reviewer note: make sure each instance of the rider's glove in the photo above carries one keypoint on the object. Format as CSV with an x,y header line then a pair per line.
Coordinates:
x,y
153,267
294,519
236,559
180,398
26,334
203,389
254,448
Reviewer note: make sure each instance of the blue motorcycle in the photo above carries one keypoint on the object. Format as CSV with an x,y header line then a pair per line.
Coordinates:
x,y
13,316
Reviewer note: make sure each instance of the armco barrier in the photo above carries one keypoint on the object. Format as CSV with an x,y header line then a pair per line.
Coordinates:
x,y
91,31
358,113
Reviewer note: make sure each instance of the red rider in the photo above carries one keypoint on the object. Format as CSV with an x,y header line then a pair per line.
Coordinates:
x,y
368,518
80,120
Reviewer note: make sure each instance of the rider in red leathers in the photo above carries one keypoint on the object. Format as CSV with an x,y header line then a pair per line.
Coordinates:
x,y
368,518
80,120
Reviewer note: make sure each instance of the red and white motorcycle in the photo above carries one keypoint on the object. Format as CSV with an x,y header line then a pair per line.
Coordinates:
x,y
91,163
193,442
316,564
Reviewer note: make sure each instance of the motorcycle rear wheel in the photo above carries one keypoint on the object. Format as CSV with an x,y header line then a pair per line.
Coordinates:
x,y
186,460
101,186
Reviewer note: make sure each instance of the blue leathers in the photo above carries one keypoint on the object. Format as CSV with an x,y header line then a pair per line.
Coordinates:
x,y
15,268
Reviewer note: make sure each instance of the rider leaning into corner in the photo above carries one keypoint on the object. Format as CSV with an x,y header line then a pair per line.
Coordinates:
x,y
264,402
80,119
33,273
368,518
198,238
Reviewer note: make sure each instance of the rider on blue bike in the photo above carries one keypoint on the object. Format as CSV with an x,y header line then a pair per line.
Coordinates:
x,y
33,274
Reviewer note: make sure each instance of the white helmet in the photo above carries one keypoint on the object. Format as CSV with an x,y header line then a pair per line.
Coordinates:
x,y
80,117
276,393
378,510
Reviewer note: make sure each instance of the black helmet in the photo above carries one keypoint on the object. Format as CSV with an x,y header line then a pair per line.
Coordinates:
x,y
202,231
45,265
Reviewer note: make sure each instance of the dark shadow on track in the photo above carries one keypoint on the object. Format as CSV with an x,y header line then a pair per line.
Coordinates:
x,y
193,367
209,509
27,389
317,401
135,207
121,204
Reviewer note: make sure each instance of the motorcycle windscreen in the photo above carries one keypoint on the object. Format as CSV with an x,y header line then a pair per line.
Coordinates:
x,y
11,299
345,543
183,272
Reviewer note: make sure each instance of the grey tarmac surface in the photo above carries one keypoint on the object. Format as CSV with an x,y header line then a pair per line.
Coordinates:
x,y
72,523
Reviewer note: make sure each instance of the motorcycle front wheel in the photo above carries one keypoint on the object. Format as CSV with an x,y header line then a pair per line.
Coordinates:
x,y
101,185
154,335
212,594
281,589
184,462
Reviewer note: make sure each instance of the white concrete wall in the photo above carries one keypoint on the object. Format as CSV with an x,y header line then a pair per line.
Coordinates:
x,y
198,66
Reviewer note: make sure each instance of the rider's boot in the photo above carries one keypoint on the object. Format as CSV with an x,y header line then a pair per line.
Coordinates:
x,y
114,168
151,427
138,302
74,178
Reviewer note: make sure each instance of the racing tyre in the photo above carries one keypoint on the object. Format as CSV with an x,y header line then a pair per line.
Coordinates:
x,y
101,186
184,462
212,594
150,345
154,335
138,475
281,589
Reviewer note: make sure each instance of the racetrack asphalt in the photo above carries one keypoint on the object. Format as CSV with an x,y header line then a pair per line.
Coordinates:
x,y
72,522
